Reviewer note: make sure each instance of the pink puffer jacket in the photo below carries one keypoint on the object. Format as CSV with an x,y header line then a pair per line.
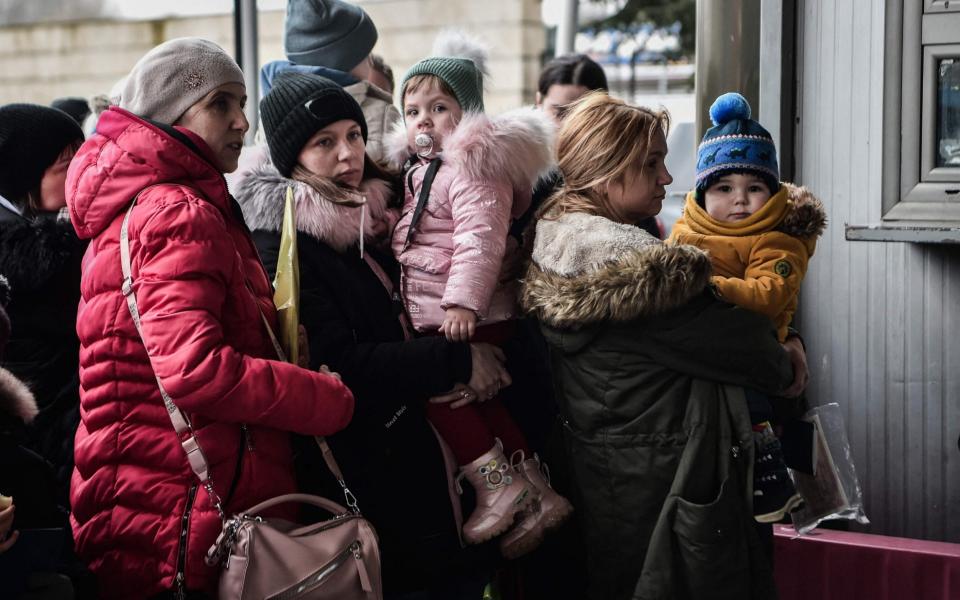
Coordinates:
x,y
460,254
138,516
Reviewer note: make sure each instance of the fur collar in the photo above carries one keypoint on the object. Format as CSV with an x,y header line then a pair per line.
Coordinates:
x,y
587,269
34,253
517,145
261,195
16,400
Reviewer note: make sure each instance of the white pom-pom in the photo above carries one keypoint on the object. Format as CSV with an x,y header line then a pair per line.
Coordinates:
x,y
457,43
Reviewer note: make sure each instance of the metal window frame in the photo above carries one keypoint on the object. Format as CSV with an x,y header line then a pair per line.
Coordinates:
x,y
928,122
913,191
935,6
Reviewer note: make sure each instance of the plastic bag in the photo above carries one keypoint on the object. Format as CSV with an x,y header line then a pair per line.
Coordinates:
x,y
833,491
286,294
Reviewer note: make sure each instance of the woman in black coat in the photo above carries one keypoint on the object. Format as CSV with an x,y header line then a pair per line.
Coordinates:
x,y
40,254
391,458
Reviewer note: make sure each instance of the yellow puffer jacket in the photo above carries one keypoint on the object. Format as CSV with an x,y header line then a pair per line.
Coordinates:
x,y
759,262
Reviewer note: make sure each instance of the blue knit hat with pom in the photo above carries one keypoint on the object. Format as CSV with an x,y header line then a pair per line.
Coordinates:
x,y
735,144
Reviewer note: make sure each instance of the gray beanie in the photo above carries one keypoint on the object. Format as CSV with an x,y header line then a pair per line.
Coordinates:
x,y
174,76
327,33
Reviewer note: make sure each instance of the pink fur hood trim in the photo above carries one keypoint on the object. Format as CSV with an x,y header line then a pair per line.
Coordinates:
x,y
261,197
517,146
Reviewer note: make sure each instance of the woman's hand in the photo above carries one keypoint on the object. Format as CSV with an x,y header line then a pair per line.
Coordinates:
x,y
303,347
7,538
489,375
460,395
459,325
801,374
326,371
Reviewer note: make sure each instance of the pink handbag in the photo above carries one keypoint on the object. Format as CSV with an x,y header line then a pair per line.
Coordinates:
x,y
266,559
274,559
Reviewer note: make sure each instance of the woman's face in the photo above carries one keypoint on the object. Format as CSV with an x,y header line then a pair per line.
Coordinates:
x,y
639,193
219,120
557,97
336,152
53,195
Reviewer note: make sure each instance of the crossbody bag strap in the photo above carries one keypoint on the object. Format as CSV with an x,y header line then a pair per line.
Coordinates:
x,y
394,295
181,424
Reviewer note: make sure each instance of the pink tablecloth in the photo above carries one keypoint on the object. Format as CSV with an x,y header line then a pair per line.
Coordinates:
x,y
838,565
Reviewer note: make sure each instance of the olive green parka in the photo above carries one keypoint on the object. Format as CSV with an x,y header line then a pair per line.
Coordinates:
x,y
648,366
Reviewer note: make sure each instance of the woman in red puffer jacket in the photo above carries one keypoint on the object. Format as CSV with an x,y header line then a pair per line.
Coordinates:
x,y
140,518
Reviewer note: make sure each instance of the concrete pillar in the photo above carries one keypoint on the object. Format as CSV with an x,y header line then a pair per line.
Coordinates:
x,y
245,20
728,54
567,29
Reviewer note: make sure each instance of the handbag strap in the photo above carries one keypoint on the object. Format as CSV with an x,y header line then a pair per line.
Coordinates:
x,y
394,295
321,441
181,424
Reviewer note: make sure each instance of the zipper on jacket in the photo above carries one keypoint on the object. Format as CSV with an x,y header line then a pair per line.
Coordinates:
x,y
180,579
320,576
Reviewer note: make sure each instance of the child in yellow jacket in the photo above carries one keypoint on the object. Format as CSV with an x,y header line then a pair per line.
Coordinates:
x,y
760,235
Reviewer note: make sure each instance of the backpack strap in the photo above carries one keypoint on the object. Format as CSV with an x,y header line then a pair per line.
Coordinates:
x,y
425,185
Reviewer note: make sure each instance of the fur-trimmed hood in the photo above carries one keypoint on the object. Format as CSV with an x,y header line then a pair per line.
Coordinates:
x,y
16,399
320,213
517,146
806,218
587,269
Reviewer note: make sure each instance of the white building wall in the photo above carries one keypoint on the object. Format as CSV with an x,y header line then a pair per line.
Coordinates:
x,y
881,320
41,62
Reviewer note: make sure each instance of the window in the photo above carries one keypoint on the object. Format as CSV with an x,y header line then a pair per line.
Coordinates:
x,y
922,112
947,144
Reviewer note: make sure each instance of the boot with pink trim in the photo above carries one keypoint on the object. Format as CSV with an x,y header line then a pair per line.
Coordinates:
x,y
501,495
546,512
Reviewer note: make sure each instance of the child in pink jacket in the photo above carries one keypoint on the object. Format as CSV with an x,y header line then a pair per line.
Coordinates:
x,y
466,178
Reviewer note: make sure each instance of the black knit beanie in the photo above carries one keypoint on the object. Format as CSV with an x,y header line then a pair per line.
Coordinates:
x,y
31,139
298,106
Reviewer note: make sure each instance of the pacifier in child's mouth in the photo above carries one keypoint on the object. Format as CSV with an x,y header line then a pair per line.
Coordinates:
x,y
424,142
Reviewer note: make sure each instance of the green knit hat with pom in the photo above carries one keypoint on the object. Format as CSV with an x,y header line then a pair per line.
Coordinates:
x,y
460,62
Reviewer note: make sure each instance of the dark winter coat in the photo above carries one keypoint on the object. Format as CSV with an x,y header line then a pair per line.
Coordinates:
x,y
24,474
647,364
139,519
389,454
41,259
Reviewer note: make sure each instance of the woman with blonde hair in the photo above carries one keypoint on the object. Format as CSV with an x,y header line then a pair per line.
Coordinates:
x,y
648,364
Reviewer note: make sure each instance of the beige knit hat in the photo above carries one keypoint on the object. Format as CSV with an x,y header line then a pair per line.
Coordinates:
x,y
174,76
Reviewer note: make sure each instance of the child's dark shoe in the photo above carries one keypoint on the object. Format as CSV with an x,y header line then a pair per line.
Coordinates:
x,y
774,494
